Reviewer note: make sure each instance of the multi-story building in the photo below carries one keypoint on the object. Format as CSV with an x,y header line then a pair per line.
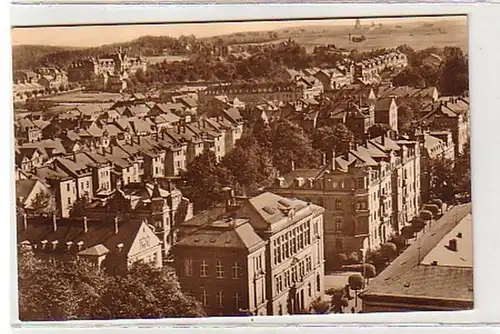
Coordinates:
x,y
277,243
112,64
250,93
369,192
113,245
386,112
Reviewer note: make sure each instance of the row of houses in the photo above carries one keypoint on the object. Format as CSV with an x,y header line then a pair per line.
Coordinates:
x,y
37,82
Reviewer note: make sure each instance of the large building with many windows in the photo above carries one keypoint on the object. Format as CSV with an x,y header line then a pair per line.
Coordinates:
x,y
263,258
369,193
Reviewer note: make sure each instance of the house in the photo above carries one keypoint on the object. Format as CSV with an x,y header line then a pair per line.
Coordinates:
x,y
27,130
386,112
433,274
163,209
26,192
266,257
369,192
111,245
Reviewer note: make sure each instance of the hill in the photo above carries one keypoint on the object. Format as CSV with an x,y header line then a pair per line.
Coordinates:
x,y
31,56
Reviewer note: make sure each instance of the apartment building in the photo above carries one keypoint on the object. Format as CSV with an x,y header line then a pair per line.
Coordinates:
x,y
111,245
369,193
277,242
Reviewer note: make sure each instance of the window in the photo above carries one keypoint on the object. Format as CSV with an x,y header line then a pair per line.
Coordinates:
x,y
188,267
67,186
219,270
69,201
309,290
204,298
338,224
220,298
338,204
237,300
236,271
318,283
203,269
87,184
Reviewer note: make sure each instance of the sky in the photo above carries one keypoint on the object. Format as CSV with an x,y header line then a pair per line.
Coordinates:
x,y
89,36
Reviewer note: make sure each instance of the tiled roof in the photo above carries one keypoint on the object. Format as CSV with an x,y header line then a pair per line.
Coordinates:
x,y
25,187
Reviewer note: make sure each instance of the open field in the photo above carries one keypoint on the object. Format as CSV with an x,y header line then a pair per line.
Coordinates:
x,y
417,35
85,97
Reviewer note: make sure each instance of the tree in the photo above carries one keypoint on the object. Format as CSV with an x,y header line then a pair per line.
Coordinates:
x,y
248,163
408,232
291,145
462,172
146,292
455,74
379,129
42,203
389,251
418,224
319,306
327,138
49,291
79,207
425,215
368,271
405,117
442,179
339,300
433,208
204,180
409,77
356,283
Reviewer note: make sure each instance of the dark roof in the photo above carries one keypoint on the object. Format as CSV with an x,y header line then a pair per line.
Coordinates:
x,y
25,187
407,277
227,233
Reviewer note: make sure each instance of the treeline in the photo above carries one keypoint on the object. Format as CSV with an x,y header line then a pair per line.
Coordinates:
x,y
33,56
451,77
80,291
267,150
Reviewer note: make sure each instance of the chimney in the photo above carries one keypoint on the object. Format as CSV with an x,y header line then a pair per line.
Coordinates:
x,y
85,225
25,221
325,159
332,160
54,222
116,225
293,165
103,151
383,139
346,155
453,245
178,129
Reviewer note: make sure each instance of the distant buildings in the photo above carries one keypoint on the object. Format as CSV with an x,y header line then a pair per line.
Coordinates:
x,y
263,258
111,65
41,81
434,274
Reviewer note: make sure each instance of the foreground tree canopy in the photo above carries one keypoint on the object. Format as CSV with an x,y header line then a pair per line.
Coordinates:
x,y
79,291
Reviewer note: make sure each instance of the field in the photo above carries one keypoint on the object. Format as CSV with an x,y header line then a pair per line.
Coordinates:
x,y
417,35
85,97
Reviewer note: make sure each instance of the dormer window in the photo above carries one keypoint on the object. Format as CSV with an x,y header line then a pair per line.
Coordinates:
x,y
68,245
54,244
80,245
119,247
44,243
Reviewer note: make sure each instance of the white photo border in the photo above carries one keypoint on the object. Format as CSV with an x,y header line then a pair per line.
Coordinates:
x,y
484,29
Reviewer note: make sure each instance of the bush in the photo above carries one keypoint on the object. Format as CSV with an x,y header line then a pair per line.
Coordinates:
x,y
334,290
417,224
408,232
438,202
356,282
319,306
368,270
426,214
433,208
399,241
389,251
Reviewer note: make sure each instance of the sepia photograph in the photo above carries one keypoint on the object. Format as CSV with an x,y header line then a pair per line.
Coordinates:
x,y
242,169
